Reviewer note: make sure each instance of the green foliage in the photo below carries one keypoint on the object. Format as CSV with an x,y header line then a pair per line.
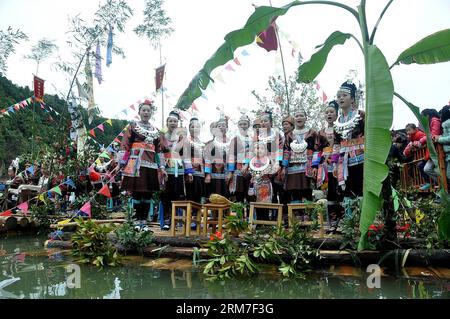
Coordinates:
x,y
43,49
434,48
378,122
132,238
44,217
8,40
156,24
236,224
350,225
308,71
91,244
299,94
227,259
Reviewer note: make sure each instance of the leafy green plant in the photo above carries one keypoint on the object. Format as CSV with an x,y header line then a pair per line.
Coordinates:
x,y
91,244
133,238
228,259
379,95
44,217
350,224
236,224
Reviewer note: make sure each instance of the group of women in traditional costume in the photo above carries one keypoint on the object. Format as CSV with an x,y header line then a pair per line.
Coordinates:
x,y
260,163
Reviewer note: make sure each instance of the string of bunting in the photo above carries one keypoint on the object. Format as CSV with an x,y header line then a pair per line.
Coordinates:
x,y
7,111
24,207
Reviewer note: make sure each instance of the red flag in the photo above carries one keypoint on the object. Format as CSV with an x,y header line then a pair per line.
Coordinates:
x,y
159,76
7,213
86,209
268,38
92,132
237,61
194,106
132,107
105,191
324,97
38,89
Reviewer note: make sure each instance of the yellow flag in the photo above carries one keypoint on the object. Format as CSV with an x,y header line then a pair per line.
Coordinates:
x,y
258,40
419,216
98,161
41,198
109,122
63,222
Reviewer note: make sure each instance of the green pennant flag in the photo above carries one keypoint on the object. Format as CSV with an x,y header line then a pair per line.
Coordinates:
x,y
57,190
105,155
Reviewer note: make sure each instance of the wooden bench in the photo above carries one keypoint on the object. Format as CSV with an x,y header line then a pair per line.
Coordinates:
x,y
186,206
273,206
221,209
304,206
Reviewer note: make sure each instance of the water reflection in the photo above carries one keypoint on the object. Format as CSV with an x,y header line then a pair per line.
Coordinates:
x,y
30,271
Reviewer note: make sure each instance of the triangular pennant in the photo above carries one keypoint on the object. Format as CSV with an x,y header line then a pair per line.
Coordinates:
x,y
23,207
324,97
245,53
97,161
229,67
16,107
105,155
42,198
101,128
7,213
70,183
92,132
57,190
125,111
116,140
237,61
121,134
105,191
258,40
194,106
31,169
204,96
86,208
109,122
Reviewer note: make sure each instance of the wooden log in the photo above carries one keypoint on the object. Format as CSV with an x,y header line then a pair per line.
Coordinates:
x,y
9,222
23,222
101,221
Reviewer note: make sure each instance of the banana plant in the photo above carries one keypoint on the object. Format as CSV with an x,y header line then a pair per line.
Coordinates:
x,y
379,95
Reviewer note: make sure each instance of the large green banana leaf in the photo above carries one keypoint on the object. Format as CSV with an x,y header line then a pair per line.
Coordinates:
x,y
434,48
444,219
308,71
258,22
378,122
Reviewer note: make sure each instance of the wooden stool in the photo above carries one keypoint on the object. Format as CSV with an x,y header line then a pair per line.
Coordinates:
x,y
221,210
186,206
278,207
304,206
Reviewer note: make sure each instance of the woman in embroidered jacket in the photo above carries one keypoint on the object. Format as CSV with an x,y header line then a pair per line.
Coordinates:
x,y
349,128
195,177
273,140
238,159
330,156
142,142
298,153
216,156
174,149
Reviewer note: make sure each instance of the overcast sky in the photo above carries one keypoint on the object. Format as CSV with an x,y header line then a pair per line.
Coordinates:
x,y
200,26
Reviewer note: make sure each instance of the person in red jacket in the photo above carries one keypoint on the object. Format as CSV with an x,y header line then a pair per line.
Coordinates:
x,y
417,140
435,130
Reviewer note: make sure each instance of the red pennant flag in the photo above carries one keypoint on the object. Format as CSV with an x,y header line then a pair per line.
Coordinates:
x,y
317,86
100,127
92,132
194,107
159,76
132,107
116,140
237,61
268,38
105,191
86,209
23,207
7,213
38,89
121,134
324,97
